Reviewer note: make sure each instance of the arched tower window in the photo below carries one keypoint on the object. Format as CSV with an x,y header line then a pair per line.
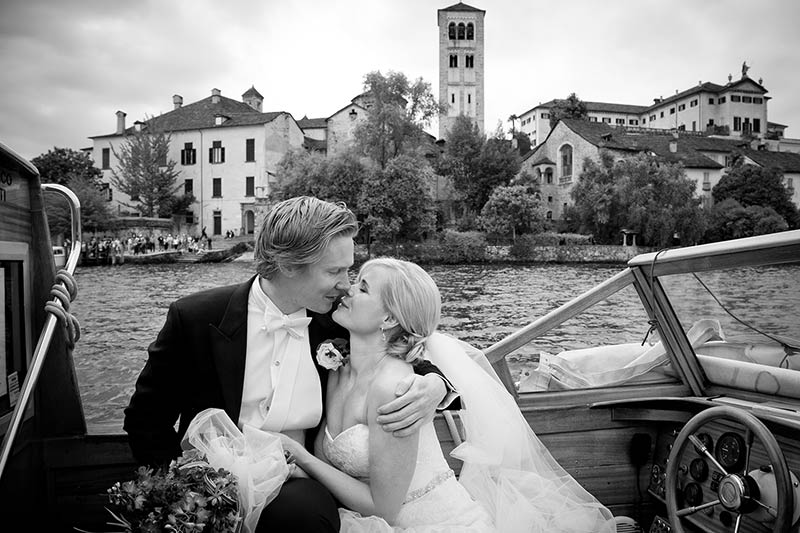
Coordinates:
x,y
566,161
470,31
549,215
451,31
548,175
461,31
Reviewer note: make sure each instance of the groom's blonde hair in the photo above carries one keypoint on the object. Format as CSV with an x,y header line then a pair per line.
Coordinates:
x,y
297,231
411,296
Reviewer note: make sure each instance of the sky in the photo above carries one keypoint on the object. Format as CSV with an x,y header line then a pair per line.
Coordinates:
x,y
68,65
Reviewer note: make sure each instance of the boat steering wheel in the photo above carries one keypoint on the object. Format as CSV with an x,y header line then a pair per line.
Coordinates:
x,y
738,492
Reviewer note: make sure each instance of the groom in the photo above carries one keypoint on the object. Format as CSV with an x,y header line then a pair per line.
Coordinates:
x,y
248,349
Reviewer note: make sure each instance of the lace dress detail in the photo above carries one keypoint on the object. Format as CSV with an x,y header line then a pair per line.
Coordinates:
x,y
435,500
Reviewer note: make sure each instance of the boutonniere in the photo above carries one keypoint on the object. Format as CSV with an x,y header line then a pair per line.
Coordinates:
x,y
333,353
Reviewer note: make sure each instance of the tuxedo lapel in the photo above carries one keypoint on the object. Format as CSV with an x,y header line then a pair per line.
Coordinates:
x,y
229,347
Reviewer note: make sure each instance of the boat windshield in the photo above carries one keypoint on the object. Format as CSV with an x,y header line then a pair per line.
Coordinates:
x,y
742,324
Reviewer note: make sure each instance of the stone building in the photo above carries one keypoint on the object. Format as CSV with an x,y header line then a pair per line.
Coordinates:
x,y
735,109
227,152
461,64
557,162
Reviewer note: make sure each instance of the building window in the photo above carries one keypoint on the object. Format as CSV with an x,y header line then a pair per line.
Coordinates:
x,y
250,186
693,103
711,122
682,127
462,30
662,114
549,199
453,98
188,154
728,160
711,101
470,32
250,150
737,123
736,98
217,223
545,115
721,100
216,154
694,125
606,120
110,193
747,99
746,125
566,161
469,98
706,181
620,121
470,61
549,215
671,110
758,100
681,107
188,187
162,159
633,121
453,61
106,158
592,119
189,217
756,125
216,187
548,176
451,31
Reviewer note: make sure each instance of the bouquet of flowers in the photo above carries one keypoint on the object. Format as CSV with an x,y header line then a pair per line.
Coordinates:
x,y
188,496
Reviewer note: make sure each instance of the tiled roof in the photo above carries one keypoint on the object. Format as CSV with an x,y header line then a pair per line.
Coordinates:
x,y
252,92
543,161
201,115
310,123
706,87
786,161
689,152
598,107
461,6
771,124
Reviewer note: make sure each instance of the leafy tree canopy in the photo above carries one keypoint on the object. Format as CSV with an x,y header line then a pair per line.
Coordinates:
x,y
640,193
571,107
95,213
731,220
146,174
751,185
399,112
59,165
512,210
397,202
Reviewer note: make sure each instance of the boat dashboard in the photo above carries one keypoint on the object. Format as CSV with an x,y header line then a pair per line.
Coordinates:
x,y
733,454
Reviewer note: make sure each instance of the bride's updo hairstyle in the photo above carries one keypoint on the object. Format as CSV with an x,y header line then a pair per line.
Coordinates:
x,y
297,231
411,296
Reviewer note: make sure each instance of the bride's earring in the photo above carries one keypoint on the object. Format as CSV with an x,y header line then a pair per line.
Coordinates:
x,y
383,334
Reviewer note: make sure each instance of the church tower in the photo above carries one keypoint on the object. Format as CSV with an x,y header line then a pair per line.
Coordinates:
x,y
460,64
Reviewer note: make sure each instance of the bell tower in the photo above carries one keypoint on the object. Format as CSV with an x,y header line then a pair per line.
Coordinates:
x,y
460,64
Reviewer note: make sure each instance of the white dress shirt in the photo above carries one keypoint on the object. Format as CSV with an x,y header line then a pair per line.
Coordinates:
x,y
282,390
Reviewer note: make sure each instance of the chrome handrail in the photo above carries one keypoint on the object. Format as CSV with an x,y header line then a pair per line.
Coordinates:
x,y
49,327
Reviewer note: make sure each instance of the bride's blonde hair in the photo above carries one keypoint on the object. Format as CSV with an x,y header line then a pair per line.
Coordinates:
x,y
411,296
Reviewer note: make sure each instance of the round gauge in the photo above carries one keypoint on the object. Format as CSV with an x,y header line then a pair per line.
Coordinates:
x,y
692,494
707,441
730,451
699,470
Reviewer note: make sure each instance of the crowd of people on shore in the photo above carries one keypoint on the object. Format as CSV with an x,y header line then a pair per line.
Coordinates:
x,y
111,249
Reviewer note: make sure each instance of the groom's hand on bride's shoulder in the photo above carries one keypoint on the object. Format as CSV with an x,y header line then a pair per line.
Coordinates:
x,y
415,405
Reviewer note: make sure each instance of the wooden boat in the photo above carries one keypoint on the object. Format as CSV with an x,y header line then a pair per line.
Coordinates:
x,y
663,433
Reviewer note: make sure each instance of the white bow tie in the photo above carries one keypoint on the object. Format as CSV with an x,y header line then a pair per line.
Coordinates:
x,y
295,327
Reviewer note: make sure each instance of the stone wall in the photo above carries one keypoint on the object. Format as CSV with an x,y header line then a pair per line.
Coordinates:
x,y
577,253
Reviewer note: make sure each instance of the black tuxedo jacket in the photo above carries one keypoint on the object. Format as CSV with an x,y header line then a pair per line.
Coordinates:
x,y
197,362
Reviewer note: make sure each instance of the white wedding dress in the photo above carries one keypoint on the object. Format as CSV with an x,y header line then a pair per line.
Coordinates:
x,y
435,500
509,481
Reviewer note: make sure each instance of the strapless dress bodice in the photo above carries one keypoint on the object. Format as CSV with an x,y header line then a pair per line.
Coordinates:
x,y
349,450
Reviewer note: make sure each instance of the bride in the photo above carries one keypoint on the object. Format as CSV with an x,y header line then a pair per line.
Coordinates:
x,y
508,482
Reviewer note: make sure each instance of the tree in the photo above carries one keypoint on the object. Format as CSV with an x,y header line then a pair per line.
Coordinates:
x,y
339,178
513,120
95,214
146,174
641,193
512,210
730,220
397,203
572,107
398,114
499,162
751,185
60,165
523,142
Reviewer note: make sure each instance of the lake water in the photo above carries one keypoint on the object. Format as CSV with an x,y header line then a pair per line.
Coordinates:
x,y
121,310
